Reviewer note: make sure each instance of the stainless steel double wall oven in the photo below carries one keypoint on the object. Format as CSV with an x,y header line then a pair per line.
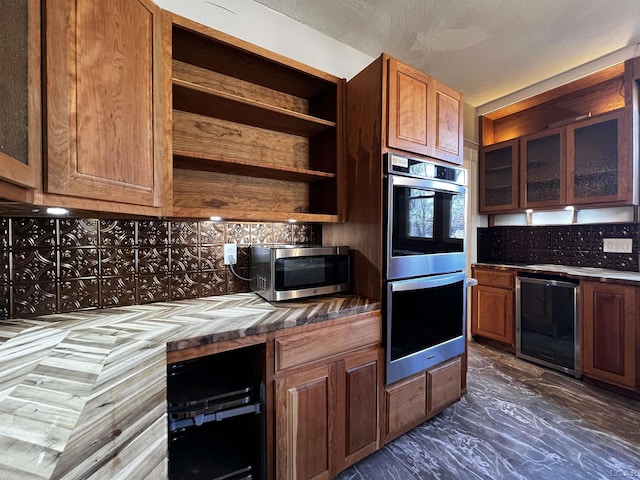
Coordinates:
x,y
424,279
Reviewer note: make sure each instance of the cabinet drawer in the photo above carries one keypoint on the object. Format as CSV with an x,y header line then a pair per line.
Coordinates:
x,y
495,278
292,350
405,403
443,384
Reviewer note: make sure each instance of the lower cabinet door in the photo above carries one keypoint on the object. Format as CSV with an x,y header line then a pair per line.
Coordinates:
x,y
493,314
305,407
609,333
359,375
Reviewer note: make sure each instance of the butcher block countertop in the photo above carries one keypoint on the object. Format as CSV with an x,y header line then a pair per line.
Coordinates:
x,y
83,394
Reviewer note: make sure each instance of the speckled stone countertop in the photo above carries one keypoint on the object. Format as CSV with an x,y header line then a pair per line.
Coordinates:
x,y
586,273
83,394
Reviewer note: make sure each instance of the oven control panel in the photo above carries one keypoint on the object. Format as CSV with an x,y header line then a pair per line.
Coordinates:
x,y
418,168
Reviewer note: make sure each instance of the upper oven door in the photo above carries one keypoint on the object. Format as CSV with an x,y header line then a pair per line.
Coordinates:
x,y
425,226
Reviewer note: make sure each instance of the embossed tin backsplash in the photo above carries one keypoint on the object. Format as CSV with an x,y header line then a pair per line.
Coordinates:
x,y
575,245
53,265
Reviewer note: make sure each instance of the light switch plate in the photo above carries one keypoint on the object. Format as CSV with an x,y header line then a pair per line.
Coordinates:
x,y
617,245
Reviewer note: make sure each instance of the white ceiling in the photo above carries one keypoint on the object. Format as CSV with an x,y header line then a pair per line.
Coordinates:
x,y
483,48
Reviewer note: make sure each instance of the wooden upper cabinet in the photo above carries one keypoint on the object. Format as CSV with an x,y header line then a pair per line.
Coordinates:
x,y
20,107
599,159
499,177
424,116
448,124
410,109
254,135
544,163
100,106
578,143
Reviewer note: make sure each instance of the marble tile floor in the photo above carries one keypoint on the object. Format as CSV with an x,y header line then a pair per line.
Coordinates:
x,y
517,421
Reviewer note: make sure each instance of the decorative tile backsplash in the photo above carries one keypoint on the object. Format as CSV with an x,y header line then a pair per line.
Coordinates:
x,y
577,245
50,265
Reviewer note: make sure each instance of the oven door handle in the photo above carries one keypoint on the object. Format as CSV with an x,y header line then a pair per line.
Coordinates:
x,y
425,184
426,282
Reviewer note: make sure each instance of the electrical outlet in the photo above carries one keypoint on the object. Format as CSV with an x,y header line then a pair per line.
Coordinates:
x,y
230,253
617,245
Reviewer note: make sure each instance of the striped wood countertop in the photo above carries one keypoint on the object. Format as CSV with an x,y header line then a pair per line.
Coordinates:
x,y
83,394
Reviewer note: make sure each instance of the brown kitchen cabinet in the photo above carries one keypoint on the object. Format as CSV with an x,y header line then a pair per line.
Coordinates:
x,y
492,306
544,164
576,144
415,399
610,338
253,135
20,108
103,142
499,180
424,116
599,160
327,384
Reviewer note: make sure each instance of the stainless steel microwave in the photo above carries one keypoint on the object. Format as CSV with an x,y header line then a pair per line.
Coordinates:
x,y
287,272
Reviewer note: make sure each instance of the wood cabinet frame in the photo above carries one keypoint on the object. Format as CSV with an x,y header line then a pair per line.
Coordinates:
x,y
346,376
612,91
28,172
515,177
251,135
126,168
424,116
500,286
610,338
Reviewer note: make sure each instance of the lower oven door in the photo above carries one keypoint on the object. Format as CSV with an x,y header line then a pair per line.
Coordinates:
x,y
425,323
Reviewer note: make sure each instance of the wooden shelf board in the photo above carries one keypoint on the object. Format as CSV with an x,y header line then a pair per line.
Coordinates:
x,y
253,216
212,49
205,101
197,161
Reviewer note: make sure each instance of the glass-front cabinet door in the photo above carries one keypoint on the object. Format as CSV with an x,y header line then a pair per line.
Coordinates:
x,y
544,165
499,177
597,159
20,107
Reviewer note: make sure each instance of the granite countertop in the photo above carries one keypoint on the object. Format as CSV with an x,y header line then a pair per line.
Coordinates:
x,y
82,395
589,273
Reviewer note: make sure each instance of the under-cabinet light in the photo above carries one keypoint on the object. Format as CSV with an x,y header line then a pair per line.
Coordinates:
x,y
529,210
292,220
569,207
57,211
215,218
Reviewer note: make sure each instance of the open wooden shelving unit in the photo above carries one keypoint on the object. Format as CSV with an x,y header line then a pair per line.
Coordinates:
x,y
254,135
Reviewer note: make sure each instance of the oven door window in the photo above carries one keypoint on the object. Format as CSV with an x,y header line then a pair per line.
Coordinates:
x,y
427,221
308,272
425,317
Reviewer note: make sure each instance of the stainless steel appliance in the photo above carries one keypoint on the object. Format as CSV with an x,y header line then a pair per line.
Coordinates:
x,y
424,281
426,323
425,211
547,328
287,272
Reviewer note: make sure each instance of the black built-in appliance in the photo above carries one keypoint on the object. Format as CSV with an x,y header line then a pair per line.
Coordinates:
x,y
216,416
547,327
424,281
